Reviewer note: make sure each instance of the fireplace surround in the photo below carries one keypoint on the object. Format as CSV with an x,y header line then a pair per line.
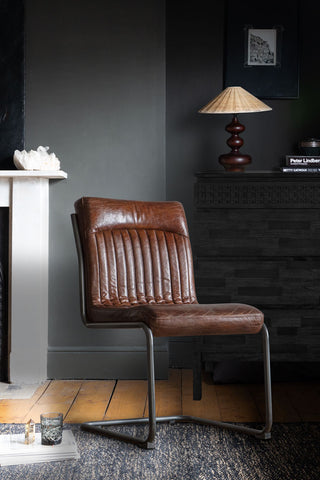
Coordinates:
x,y
4,257
26,193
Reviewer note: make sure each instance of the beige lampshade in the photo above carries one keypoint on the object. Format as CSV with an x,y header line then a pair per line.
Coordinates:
x,y
235,100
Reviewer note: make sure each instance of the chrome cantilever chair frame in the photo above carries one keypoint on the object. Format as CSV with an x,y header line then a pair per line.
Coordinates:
x,y
101,427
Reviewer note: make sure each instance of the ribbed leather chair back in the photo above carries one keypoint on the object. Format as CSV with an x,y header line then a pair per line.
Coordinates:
x,y
135,252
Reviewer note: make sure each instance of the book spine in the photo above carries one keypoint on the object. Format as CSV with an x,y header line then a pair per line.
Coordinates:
x,y
300,160
300,169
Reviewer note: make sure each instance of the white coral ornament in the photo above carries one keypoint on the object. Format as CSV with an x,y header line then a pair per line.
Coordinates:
x,y
38,159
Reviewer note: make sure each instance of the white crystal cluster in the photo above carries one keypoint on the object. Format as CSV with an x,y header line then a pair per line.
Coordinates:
x,y
38,159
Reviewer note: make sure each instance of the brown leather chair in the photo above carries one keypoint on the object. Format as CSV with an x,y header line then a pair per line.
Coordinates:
x,y
136,271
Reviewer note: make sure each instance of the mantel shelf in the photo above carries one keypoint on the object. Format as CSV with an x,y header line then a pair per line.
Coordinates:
x,y
50,174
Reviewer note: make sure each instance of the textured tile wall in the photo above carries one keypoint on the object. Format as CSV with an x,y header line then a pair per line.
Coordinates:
x,y
260,244
256,240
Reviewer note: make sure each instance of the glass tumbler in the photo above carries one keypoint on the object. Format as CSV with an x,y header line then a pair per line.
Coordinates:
x,y
51,428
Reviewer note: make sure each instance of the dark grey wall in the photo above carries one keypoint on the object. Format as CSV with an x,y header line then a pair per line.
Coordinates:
x,y
195,49
194,73
194,64
95,93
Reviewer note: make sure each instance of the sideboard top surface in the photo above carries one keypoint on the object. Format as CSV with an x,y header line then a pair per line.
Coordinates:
x,y
257,189
256,176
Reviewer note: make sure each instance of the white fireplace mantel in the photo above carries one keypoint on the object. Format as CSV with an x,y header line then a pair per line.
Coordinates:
x,y
26,193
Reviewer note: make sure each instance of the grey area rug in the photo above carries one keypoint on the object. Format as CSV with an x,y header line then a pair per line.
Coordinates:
x,y
185,452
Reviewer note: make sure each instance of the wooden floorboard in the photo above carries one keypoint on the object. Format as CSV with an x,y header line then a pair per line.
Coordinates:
x,y
236,404
128,400
208,406
58,397
16,411
305,401
93,400
284,410
168,395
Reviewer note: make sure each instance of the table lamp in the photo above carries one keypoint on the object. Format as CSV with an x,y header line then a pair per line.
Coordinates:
x,y
235,100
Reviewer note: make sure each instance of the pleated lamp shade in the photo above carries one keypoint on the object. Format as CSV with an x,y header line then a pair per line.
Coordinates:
x,y
235,100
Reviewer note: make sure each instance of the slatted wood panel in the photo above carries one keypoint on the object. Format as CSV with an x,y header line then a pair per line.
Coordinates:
x,y
81,401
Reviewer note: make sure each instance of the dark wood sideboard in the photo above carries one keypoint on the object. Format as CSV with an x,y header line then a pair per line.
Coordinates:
x,y
256,240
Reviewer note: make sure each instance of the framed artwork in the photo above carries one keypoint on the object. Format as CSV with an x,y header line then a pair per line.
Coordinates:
x,y
262,48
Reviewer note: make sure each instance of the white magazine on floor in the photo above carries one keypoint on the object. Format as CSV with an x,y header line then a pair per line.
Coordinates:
x,y
13,450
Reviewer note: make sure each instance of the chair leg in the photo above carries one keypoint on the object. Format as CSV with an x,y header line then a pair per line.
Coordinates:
x,y
197,368
148,442
263,433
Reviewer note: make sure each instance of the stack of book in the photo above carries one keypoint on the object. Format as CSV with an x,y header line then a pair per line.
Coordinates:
x,y
301,164
14,451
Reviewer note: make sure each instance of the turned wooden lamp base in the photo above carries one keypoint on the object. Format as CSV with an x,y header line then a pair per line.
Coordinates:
x,y
235,161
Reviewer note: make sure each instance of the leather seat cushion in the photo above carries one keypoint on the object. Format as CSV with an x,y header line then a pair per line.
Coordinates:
x,y
185,319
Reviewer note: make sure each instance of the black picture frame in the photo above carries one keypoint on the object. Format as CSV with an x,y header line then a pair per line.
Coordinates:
x,y
275,26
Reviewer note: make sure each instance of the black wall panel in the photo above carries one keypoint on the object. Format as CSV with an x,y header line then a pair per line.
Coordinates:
x,y
11,80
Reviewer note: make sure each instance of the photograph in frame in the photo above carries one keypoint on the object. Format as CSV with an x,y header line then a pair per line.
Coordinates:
x,y
262,47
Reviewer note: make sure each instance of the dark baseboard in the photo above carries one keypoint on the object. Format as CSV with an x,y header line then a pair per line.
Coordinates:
x,y
105,365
